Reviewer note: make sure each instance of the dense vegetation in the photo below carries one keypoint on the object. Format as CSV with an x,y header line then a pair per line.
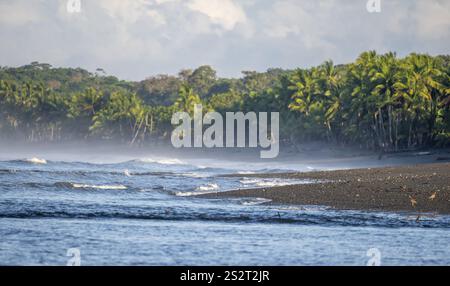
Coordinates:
x,y
377,102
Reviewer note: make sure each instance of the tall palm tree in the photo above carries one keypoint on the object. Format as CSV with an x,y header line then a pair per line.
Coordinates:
x,y
186,100
385,79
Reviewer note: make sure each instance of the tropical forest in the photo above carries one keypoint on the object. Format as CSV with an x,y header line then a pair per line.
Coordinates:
x,y
378,102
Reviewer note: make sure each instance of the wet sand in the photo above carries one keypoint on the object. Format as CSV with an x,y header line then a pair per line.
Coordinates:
x,y
418,188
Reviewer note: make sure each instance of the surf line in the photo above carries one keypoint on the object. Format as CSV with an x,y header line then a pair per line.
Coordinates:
x,y
213,136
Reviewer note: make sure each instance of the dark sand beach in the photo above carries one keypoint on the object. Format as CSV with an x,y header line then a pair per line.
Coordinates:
x,y
416,188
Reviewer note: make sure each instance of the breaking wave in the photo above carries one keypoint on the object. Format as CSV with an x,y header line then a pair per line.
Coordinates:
x,y
100,187
195,175
208,187
36,160
162,161
202,190
87,186
258,182
255,202
331,218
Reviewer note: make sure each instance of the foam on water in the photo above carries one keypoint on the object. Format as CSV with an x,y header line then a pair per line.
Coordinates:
x,y
163,161
195,175
99,187
259,182
208,187
201,190
255,201
36,160
246,172
83,202
191,194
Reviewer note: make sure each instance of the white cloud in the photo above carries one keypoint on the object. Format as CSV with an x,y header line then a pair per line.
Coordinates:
x,y
433,19
17,13
287,17
222,12
128,11
158,18
310,23
137,38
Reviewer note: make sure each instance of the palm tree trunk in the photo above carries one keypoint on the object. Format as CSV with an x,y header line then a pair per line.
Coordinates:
x,y
390,125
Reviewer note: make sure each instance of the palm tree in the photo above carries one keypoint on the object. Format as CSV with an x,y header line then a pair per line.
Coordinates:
x,y
385,79
331,93
83,107
186,100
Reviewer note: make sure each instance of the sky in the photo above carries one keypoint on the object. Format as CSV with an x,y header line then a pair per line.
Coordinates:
x,y
135,39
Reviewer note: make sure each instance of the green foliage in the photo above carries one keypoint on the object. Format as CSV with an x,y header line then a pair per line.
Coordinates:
x,y
159,90
227,101
186,100
377,102
123,116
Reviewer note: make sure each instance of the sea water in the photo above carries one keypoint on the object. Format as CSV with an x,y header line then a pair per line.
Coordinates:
x,y
145,212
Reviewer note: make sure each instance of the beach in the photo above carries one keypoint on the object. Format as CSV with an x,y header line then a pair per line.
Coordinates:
x,y
105,205
423,188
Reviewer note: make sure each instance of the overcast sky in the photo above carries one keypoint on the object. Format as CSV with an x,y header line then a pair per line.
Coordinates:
x,y
134,39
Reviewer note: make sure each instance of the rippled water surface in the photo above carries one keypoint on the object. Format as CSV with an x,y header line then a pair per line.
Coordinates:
x,y
143,212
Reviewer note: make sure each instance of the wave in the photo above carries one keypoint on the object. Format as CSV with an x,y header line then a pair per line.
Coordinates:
x,y
36,160
190,194
255,201
330,218
246,172
167,161
271,182
100,187
84,172
208,187
195,175
151,173
87,186
202,190
63,185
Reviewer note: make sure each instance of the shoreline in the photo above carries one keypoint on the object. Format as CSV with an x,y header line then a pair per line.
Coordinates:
x,y
311,157
423,188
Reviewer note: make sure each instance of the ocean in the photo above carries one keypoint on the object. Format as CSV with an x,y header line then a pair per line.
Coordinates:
x,y
143,211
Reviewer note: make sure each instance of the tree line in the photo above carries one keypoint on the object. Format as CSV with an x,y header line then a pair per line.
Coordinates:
x,y
378,102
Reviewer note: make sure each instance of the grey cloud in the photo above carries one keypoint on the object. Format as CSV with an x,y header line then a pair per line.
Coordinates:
x,y
134,39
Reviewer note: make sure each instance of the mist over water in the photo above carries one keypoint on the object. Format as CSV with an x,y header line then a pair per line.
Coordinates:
x,y
132,207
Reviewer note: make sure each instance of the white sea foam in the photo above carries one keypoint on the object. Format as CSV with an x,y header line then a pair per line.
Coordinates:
x,y
246,172
186,194
205,189
195,175
255,201
127,173
190,194
100,187
309,208
249,181
166,161
35,160
208,187
263,182
257,182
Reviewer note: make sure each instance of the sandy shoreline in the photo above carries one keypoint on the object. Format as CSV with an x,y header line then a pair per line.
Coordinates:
x,y
416,188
